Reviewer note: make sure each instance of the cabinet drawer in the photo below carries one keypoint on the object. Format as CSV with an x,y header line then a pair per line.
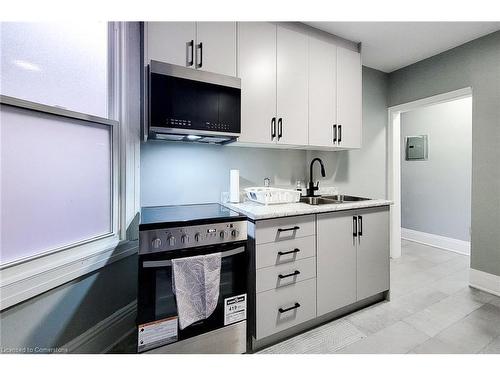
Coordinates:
x,y
283,229
271,320
285,275
277,253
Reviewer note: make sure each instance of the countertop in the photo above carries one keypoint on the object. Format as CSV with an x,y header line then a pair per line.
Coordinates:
x,y
256,211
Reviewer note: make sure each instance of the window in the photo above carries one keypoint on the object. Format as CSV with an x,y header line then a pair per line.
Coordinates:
x,y
58,64
69,148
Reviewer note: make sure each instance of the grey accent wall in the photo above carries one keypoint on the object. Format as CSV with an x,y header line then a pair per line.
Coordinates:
x,y
436,193
475,64
54,318
363,172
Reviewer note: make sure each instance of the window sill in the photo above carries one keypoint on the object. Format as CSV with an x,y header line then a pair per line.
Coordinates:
x,y
26,280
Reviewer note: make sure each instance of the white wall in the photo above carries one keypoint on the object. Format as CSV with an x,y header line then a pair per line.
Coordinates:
x,y
436,193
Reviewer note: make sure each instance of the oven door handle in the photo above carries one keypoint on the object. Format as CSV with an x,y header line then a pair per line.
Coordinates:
x,y
168,263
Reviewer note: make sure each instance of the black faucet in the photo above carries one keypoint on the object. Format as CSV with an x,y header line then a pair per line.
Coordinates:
x,y
311,188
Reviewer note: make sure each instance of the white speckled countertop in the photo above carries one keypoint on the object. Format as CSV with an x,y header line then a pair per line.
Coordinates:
x,y
256,211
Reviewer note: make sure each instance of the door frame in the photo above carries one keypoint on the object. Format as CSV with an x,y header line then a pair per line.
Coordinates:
x,y
394,156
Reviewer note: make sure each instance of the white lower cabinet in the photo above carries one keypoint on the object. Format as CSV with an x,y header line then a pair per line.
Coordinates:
x,y
336,261
352,256
283,308
312,265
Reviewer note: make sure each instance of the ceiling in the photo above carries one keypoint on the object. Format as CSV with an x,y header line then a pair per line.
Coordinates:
x,y
388,46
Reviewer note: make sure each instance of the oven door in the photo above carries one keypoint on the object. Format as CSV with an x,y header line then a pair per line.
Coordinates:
x,y
157,307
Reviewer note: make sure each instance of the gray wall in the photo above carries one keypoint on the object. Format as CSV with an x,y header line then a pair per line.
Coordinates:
x,y
363,172
436,193
54,318
475,64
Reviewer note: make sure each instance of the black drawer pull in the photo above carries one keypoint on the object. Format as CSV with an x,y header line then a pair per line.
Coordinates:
x,y
282,310
294,273
288,252
288,229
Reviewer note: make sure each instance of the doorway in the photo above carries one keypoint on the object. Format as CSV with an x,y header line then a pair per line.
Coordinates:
x,y
425,160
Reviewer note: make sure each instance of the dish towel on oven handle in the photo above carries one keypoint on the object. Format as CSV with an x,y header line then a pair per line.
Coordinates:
x,y
195,283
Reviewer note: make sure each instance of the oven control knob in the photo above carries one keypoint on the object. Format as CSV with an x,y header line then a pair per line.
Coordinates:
x,y
235,233
156,243
171,240
197,237
223,234
185,238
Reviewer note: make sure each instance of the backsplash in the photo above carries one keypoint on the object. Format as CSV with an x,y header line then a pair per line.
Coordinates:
x,y
184,173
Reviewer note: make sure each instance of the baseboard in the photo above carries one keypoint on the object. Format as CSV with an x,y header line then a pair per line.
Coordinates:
x,y
484,281
445,243
105,334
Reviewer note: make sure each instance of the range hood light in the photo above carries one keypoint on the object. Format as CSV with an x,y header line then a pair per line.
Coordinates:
x,y
192,137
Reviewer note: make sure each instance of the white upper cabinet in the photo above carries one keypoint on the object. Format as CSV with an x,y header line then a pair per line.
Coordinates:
x,y
349,98
215,49
209,46
171,42
292,82
322,93
257,70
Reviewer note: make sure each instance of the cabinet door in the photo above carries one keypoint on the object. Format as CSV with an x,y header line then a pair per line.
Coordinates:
x,y
373,252
292,82
349,96
322,93
336,261
217,53
168,42
257,70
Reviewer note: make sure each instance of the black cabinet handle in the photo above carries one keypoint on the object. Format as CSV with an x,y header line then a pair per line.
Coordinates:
x,y
280,128
340,133
360,226
189,53
288,229
294,273
282,310
334,133
200,47
288,252
273,128
354,226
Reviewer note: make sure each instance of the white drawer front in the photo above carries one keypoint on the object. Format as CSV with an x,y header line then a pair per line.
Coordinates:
x,y
270,320
282,229
277,253
285,274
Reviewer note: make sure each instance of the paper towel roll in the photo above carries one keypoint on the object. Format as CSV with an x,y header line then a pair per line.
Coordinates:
x,y
234,186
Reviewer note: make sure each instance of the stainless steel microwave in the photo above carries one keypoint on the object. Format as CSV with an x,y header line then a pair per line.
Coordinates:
x,y
192,105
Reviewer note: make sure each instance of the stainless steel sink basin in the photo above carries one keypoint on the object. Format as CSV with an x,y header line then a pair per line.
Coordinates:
x,y
331,199
316,200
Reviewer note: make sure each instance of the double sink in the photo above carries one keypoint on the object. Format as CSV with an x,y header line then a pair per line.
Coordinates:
x,y
331,199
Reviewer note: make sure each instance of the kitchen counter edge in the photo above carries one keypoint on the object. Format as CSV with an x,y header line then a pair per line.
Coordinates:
x,y
256,211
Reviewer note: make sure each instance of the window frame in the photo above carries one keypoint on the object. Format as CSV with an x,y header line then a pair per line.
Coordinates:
x,y
27,277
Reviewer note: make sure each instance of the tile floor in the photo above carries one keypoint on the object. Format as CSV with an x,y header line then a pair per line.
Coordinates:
x,y
432,310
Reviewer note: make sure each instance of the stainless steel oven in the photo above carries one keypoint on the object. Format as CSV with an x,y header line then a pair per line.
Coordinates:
x,y
224,331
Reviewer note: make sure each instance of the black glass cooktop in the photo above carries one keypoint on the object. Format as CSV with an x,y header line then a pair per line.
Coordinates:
x,y
183,215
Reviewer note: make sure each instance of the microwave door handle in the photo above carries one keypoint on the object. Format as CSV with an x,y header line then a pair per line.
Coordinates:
x,y
189,53
168,263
